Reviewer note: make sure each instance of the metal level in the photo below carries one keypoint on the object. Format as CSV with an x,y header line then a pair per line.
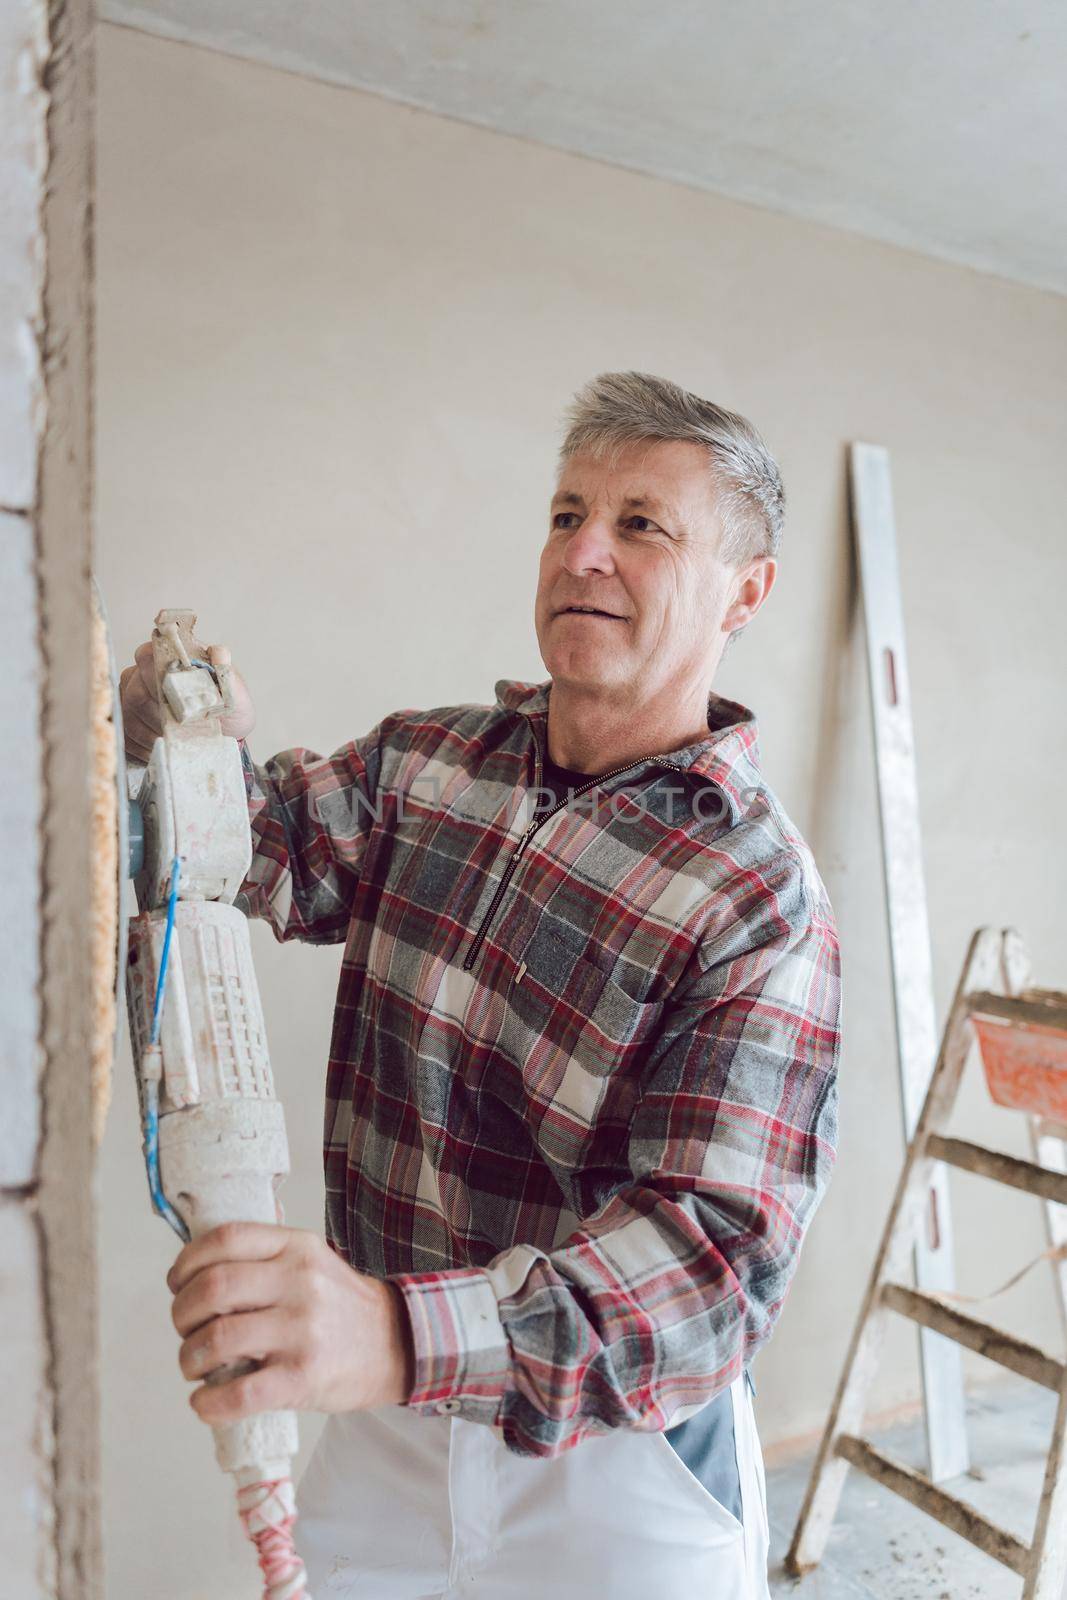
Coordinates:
x,y
874,531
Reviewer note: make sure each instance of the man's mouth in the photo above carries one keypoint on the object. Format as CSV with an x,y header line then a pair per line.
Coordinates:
x,y
589,611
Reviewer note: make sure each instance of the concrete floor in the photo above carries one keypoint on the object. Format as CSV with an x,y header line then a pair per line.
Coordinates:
x,y
883,1549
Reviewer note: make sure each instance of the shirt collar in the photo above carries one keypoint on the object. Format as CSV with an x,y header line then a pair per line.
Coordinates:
x,y
729,757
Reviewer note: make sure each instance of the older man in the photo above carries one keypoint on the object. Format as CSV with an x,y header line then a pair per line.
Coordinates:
x,y
581,1095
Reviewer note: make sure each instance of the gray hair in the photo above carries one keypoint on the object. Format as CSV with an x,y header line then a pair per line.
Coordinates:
x,y
617,409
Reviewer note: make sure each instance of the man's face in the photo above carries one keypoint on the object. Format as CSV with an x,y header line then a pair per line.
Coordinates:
x,y
639,542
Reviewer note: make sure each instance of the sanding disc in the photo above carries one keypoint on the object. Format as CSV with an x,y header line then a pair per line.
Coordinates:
x,y
109,862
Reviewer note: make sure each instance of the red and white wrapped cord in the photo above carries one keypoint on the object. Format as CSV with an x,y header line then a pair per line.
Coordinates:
x,y
268,1511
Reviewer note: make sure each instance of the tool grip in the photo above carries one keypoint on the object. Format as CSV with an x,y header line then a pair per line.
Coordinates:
x,y
189,683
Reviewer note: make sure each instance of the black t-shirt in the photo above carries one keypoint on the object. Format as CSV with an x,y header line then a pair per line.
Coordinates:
x,y
559,781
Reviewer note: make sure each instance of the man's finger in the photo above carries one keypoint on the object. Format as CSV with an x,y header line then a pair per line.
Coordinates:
x,y
139,732
233,1241
245,1336
222,1289
277,1386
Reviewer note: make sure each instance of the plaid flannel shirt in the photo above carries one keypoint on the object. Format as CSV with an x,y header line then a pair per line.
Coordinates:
x,y
581,1094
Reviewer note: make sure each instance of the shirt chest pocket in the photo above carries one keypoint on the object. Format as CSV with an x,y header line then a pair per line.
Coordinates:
x,y
576,1040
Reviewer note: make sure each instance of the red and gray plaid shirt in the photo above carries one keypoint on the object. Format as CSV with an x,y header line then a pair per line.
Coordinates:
x,y
581,1096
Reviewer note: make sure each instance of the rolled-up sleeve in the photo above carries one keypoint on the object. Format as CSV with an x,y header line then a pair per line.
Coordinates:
x,y
656,1302
311,818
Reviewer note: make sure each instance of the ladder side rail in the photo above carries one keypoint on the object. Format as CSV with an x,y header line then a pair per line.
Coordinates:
x,y
1048,1149
1046,1577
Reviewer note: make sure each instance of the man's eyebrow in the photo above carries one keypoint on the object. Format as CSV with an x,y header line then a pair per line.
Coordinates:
x,y
649,502
632,502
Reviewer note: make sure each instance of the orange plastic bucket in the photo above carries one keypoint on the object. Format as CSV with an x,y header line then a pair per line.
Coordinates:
x,y
1025,1065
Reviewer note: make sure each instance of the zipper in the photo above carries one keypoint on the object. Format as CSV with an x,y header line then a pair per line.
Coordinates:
x,y
517,854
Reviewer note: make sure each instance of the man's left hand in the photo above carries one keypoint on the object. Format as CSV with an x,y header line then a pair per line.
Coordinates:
x,y
327,1338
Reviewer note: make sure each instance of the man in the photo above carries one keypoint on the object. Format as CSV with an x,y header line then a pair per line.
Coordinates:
x,y
581,1096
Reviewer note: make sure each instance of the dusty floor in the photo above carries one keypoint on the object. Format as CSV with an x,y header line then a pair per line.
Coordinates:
x,y
883,1549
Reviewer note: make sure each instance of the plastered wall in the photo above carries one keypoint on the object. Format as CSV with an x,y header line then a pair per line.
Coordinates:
x,y
49,1457
334,337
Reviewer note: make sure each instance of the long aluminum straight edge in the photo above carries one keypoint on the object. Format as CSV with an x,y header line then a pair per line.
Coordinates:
x,y
874,531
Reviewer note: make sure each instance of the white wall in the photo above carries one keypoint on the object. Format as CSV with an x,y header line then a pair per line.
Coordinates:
x,y
335,336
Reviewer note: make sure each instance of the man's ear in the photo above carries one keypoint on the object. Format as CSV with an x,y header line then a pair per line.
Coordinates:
x,y
752,585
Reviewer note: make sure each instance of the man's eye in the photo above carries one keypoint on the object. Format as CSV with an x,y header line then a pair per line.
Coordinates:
x,y
565,519
642,525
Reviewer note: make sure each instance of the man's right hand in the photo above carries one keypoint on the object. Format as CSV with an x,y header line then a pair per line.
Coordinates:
x,y
140,702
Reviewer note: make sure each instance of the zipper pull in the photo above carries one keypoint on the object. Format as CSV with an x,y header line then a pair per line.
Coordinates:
x,y
524,841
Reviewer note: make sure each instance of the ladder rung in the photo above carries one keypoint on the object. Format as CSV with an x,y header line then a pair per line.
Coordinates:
x,y
1000,1167
1042,1008
945,1508
996,1345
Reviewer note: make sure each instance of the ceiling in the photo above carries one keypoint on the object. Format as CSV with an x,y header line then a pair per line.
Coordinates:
x,y
939,125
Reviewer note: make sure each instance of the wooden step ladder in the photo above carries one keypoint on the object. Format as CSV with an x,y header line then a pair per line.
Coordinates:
x,y
1022,1035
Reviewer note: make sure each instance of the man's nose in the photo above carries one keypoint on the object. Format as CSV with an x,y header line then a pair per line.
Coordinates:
x,y
590,548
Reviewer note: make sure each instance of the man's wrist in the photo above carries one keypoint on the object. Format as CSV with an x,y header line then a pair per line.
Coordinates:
x,y
402,1342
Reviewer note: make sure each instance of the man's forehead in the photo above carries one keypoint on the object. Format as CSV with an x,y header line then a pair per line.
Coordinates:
x,y
664,475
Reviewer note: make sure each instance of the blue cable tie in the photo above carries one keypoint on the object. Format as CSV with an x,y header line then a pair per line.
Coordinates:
x,y
172,901
151,1110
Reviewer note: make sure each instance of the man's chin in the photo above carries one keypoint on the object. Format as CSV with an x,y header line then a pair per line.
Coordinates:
x,y
590,675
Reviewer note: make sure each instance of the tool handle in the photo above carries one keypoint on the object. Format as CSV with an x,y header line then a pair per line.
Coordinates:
x,y
190,685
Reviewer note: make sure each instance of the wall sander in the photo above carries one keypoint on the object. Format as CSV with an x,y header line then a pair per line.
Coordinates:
x,y
214,1134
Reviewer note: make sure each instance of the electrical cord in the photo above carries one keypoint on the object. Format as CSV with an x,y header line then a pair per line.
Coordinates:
x,y
151,1077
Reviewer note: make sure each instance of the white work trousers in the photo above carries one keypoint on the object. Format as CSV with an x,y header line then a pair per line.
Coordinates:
x,y
397,1506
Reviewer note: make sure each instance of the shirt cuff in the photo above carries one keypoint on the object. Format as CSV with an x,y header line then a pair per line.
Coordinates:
x,y
462,1355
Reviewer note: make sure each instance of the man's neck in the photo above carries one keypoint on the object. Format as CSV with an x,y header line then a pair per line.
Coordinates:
x,y
589,733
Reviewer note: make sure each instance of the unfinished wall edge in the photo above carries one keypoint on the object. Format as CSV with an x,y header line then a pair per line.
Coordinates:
x,y
64,1203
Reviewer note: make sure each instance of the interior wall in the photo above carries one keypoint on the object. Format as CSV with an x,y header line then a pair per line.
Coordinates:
x,y
334,339
50,1527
